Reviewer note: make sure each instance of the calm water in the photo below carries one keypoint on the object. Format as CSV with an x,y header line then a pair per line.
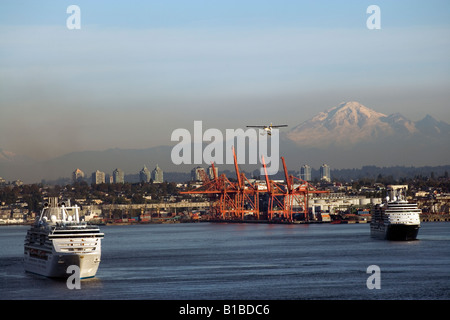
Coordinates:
x,y
243,261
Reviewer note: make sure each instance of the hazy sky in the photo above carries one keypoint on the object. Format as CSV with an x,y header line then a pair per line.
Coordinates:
x,y
137,70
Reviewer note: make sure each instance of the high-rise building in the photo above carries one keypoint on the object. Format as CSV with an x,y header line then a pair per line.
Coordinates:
x,y
305,173
98,177
18,183
211,172
325,173
157,175
198,174
77,175
144,175
118,176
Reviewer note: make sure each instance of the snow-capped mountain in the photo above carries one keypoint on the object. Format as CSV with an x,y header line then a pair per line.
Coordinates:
x,y
6,155
351,123
11,157
347,136
432,127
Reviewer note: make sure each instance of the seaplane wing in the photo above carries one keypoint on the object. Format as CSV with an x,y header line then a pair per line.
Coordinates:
x,y
269,126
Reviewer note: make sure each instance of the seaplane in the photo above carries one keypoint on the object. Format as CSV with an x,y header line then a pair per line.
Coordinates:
x,y
268,128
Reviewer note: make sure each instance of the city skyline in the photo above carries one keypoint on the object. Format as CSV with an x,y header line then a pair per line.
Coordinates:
x,y
197,173
343,132
118,175
134,73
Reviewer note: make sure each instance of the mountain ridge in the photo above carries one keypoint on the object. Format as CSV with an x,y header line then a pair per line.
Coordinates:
x,y
347,136
351,123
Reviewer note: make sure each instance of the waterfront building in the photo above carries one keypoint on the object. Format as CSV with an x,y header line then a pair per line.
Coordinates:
x,y
77,175
118,176
98,177
144,175
157,175
325,173
339,202
305,173
211,172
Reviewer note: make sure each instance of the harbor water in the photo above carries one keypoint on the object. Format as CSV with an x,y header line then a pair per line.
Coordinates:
x,y
205,261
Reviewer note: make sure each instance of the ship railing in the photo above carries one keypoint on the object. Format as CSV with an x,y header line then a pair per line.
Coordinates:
x,y
92,235
61,215
83,245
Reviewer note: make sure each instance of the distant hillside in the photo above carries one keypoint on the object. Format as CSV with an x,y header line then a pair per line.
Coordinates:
x,y
397,172
351,135
351,123
347,136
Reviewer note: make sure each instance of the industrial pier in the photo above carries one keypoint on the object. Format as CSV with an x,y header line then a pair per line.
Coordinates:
x,y
249,201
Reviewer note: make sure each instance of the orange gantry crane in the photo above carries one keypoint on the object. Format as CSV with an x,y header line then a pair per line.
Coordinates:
x,y
230,200
235,200
289,199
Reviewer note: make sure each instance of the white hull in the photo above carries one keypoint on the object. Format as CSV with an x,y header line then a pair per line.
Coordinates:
x,y
59,240
55,266
395,220
402,232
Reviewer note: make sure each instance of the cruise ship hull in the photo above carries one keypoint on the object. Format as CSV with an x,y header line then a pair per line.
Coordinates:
x,y
395,232
396,219
55,265
58,240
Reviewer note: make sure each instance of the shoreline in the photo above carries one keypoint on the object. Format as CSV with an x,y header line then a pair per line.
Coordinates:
x,y
423,218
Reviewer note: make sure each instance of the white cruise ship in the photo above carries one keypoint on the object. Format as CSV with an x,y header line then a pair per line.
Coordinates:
x,y
58,239
396,219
